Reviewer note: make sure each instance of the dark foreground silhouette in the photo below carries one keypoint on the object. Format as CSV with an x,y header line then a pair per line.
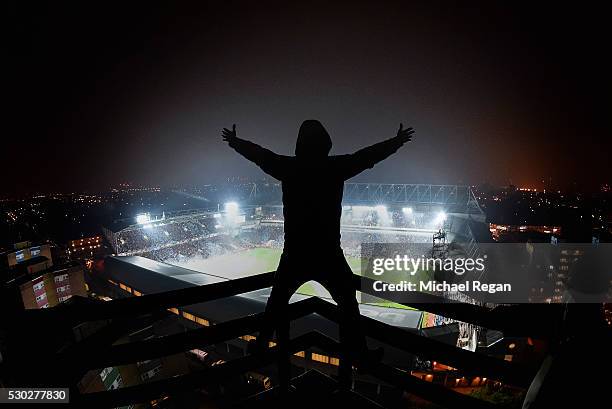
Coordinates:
x,y
303,241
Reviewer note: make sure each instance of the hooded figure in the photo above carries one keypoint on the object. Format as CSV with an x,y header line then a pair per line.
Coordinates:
x,y
313,141
313,184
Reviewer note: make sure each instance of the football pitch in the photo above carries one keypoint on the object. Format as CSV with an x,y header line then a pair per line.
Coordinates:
x,y
261,260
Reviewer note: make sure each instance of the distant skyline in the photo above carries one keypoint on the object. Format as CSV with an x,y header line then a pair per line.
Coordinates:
x,y
497,93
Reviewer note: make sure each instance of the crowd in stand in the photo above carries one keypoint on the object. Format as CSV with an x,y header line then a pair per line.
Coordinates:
x,y
204,236
204,247
351,240
159,235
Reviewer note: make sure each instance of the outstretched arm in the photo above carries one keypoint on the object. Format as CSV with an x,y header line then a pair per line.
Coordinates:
x,y
366,158
268,161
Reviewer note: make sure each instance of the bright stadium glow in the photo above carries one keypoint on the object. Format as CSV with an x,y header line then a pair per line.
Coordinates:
x,y
232,216
440,218
384,219
143,218
231,207
362,208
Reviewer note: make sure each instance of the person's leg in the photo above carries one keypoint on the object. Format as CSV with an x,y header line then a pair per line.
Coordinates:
x,y
352,341
277,317
283,331
276,305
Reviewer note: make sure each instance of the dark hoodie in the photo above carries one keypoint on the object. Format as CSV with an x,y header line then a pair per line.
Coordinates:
x,y
313,140
313,183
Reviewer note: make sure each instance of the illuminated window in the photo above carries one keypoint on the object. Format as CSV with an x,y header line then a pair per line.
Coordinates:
x,y
174,310
248,337
137,293
125,287
334,361
60,278
189,316
301,354
62,289
320,358
112,282
271,344
202,321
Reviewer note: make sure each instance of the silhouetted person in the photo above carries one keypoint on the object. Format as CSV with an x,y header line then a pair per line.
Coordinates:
x,y
313,184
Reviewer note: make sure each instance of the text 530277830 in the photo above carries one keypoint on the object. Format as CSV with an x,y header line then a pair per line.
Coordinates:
x,y
34,395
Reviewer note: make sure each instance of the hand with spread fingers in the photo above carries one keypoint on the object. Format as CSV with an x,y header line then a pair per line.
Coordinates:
x,y
229,136
405,135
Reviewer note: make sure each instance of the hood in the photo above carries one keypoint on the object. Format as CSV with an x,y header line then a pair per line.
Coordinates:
x,y
313,140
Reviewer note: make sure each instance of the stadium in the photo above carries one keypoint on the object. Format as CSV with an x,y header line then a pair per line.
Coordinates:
x,y
238,235
243,235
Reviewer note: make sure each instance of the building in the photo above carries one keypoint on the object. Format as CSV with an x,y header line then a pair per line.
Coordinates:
x,y
34,257
52,287
85,248
42,284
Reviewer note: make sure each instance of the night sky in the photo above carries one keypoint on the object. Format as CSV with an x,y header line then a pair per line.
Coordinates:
x,y
101,95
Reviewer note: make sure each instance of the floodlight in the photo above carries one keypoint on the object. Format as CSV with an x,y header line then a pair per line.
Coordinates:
x,y
231,207
440,218
143,218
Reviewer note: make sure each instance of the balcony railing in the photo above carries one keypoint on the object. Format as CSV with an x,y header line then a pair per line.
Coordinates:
x,y
26,365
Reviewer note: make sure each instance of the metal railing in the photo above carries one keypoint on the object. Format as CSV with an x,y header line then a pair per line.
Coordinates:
x,y
97,351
